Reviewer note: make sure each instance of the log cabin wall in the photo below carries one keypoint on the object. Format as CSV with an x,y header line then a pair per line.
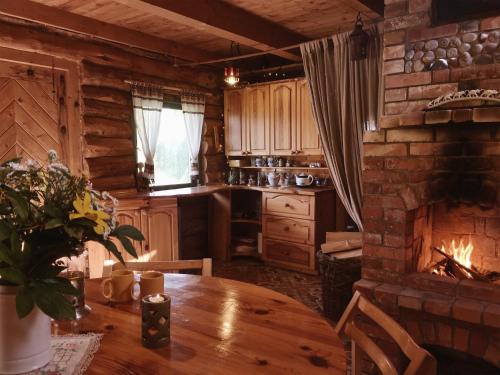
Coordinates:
x,y
105,100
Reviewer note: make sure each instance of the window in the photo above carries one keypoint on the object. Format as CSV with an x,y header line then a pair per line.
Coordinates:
x,y
172,153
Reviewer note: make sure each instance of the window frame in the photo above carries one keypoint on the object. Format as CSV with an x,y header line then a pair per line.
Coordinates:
x,y
172,104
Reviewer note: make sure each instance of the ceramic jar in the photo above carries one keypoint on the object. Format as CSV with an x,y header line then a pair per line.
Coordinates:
x,y
24,343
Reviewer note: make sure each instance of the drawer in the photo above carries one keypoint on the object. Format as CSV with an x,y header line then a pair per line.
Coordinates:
x,y
293,230
290,205
289,255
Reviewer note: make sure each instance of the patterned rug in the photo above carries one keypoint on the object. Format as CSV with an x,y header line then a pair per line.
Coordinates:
x,y
302,287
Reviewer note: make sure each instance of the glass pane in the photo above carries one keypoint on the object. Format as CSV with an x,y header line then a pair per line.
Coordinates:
x,y
172,153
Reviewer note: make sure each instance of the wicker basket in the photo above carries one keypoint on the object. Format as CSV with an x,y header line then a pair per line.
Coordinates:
x,y
337,278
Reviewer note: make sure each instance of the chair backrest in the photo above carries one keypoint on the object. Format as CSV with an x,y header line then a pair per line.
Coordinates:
x,y
205,265
421,361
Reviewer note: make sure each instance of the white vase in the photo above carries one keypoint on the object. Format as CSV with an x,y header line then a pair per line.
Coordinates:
x,y
24,343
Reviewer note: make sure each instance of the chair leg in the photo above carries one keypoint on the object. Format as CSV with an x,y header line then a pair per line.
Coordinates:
x,y
206,269
356,359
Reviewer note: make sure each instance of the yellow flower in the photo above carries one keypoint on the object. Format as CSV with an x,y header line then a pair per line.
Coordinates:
x,y
84,209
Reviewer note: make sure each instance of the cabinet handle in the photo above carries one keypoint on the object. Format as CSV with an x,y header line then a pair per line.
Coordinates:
x,y
249,152
287,204
286,229
146,247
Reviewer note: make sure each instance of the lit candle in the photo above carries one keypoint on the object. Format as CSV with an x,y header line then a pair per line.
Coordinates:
x,y
156,299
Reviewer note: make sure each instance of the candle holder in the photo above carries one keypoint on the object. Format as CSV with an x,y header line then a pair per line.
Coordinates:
x,y
77,279
155,320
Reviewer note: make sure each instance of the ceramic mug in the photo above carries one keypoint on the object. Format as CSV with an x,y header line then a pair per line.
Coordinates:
x,y
119,287
151,282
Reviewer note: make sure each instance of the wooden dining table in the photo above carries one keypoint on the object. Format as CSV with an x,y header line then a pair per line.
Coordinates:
x,y
218,326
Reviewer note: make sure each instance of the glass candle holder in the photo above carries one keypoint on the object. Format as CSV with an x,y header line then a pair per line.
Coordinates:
x,y
155,320
77,279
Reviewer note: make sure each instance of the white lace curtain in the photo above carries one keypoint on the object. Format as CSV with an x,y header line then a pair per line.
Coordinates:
x,y
193,108
147,102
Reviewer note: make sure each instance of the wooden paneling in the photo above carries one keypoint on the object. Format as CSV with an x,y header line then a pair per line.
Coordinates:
x,y
290,255
33,109
160,225
234,129
308,142
257,120
295,230
283,117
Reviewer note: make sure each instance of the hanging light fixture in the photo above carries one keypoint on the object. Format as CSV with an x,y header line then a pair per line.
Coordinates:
x,y
231,73
358,40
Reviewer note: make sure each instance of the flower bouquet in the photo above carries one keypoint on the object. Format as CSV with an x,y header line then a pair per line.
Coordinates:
x,y
46,215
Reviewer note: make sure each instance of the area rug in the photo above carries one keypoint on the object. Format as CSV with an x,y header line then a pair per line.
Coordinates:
x,y
302,287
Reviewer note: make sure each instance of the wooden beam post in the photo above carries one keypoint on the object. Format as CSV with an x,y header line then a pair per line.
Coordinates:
x,y
376,5
225,21
55,17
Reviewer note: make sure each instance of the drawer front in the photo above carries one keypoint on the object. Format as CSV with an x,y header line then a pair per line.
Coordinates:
x,y
290,205
294,230
288,254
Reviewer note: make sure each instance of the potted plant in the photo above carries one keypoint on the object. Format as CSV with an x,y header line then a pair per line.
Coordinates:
x,y
46,215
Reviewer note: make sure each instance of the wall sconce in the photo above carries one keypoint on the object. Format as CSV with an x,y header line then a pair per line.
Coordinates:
x,y
358,41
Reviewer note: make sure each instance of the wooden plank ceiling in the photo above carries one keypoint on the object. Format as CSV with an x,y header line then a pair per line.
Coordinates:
x,y
257,25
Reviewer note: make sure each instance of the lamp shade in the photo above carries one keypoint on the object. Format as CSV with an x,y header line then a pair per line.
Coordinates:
x,y
358,41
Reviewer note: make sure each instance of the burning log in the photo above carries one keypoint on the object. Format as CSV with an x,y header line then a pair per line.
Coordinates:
x,y
458,270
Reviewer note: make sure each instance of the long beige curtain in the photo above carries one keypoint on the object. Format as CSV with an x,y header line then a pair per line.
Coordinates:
x,y
147,102
345,96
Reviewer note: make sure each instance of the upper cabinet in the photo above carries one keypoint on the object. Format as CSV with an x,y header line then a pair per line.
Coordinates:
x,y
234,130
283,118
270,119
257,119
308,142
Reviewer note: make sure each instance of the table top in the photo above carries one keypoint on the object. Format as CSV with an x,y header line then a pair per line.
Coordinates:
x,y
218,326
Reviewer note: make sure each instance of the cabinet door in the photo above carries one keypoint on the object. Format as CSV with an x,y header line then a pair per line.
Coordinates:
x,y
257,119
234,127
307,132
160,226
283,118
129,217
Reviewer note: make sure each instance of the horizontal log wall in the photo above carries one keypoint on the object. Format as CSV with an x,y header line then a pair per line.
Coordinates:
x,y
106,108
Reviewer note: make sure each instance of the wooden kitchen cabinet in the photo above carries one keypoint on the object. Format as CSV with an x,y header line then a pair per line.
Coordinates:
x,y
270,119
308,142
157,219
283,117
256,101
234,123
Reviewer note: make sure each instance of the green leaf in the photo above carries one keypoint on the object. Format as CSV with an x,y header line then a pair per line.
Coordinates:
x,y
52,210
4,254
19,204
24,302
46,271
63,285
128,246
54,223
74,231
129,231
12,275
110,245
52,302
5,230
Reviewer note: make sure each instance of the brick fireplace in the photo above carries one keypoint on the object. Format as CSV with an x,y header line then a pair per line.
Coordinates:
x,y
431,177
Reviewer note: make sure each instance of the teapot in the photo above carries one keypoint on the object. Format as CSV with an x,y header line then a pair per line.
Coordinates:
x,y
273,178
303,180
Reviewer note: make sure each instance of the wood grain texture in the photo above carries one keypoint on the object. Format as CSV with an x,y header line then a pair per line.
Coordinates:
x,y
218,326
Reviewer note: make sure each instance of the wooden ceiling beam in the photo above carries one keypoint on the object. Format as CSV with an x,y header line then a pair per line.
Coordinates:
x,y
376,5
51,16
223,20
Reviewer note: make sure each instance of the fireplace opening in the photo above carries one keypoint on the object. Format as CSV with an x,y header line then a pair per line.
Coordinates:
x,y
454,362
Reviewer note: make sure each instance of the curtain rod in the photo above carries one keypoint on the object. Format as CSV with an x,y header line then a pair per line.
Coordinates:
x,y
255,54
168,88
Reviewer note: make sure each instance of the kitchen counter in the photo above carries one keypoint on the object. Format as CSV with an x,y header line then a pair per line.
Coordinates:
x,y
210,189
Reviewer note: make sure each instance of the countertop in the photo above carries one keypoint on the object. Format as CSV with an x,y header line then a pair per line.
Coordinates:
x,y
210,189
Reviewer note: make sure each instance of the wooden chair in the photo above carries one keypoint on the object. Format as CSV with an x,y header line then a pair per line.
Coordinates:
x,y
421,361
205,265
